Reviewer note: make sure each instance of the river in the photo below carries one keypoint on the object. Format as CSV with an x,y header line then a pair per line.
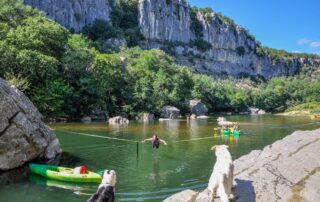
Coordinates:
x,y
149,175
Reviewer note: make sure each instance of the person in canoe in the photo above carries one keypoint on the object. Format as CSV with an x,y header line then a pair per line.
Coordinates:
x,y
155,141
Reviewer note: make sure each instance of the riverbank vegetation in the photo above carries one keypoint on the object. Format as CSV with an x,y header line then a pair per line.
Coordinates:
x,y
66,76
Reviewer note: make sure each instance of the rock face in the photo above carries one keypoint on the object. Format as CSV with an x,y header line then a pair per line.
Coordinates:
x,y
147,117
172,26
232,52
169,112
287,170
73,14
165,20
197,108
118,120
23,135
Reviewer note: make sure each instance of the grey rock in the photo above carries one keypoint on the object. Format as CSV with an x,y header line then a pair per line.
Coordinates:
x,y
184,196
256,111
117,43
73,14
169,112
118,120
148,117
159,20
86,119
197,107
287,170
261,112
23,135
232,52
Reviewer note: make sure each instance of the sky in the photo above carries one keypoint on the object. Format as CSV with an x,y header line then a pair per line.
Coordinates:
x,y
292,25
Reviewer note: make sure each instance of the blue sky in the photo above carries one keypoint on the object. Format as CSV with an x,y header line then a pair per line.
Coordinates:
x,y
292,25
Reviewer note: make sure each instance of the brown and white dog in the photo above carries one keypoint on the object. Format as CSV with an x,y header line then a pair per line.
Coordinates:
x,y
221,179
106,189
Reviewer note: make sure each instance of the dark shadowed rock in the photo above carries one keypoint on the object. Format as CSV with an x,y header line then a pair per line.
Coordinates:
x,y
23,135
197,108
169,112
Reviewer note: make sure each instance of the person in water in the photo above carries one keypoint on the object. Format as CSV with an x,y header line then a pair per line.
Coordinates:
x,y
155,141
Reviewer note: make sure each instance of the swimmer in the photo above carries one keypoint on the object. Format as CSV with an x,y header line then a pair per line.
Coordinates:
x,y
155,141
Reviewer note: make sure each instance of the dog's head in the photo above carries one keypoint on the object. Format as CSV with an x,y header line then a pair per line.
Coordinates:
x,y
220,149
109,177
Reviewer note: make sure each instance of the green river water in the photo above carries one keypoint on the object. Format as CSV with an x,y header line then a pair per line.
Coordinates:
x,y
155,174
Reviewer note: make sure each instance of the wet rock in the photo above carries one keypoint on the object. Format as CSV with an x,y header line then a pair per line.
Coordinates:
x,y
169,112
23,135
197,108
118,120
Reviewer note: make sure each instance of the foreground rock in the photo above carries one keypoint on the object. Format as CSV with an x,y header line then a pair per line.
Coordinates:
x,y
169,112
118,120
23,135
287,170
197,108
184,196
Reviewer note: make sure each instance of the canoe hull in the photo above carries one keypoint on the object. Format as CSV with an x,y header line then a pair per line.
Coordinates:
x,y
63,174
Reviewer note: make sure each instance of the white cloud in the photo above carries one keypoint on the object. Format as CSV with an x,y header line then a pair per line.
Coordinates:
x,y
315,44
303,41
296,51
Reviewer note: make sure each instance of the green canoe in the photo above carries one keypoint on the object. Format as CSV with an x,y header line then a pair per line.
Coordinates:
x,y
225,132
236,132
63,174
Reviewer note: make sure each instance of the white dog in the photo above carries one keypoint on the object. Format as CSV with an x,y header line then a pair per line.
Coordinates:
x,y
222,175
106,189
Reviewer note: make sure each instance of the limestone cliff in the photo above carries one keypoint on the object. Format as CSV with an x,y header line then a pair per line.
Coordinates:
x,y
231,49
165,20
73,14
172,25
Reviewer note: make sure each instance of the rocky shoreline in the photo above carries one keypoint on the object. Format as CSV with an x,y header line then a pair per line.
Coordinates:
x,y
287,170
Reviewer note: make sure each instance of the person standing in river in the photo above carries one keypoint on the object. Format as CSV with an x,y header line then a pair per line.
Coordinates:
x,y
155,141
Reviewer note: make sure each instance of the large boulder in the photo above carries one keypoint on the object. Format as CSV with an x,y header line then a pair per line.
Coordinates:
x,y
147,117
23,135
169,112
197,108
256,111
118,120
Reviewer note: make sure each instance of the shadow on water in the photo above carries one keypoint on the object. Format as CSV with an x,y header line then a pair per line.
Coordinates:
x,y
14,176
244,191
